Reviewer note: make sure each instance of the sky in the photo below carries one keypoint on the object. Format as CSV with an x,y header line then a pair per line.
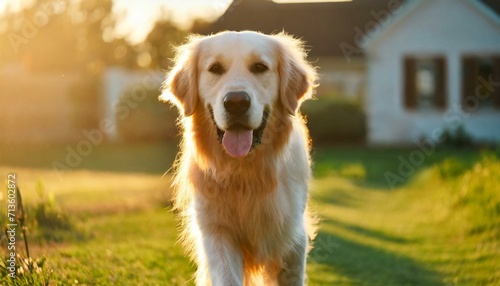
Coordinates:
x,y
139,18
136,18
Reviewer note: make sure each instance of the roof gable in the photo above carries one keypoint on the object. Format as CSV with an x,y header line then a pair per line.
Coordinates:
x,y
327,28
323,26
413,7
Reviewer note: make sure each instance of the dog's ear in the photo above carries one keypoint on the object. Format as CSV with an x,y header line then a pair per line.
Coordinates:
x,y
181,85
297,76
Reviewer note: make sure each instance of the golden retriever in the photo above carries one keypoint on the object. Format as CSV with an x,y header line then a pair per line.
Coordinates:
x,y
242,175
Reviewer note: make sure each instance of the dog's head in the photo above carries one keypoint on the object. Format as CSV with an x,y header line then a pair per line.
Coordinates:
x,y
239,78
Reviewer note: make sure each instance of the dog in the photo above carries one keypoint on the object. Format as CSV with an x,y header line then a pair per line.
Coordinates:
x,y
241,177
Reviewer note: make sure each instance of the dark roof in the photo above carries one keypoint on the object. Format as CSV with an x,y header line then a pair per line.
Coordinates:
x,y
324,26
493,4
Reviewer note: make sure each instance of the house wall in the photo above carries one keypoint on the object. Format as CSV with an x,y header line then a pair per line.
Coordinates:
x,y
60,108
449,28
119,80
340,78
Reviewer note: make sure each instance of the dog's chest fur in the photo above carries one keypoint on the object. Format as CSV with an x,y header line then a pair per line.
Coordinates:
x,y
251,206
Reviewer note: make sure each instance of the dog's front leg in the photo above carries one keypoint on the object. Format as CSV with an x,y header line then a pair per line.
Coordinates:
x,y
224,259
293,270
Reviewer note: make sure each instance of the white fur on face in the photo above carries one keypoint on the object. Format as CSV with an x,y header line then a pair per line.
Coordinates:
x,y
236,53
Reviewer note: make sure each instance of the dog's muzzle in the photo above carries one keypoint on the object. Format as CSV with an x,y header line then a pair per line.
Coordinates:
x,y
239,139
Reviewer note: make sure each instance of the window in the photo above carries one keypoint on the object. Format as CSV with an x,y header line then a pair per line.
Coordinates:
x,y
481,82
425,83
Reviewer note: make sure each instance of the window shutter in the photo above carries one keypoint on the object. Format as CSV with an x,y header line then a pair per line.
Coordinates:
x,y
496,82
441,88
409,95
469,75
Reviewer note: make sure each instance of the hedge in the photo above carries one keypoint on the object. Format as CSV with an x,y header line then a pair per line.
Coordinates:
x,y
142,117
331,121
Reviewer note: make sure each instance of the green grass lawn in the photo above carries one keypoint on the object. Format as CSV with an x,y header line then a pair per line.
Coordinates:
x,y
440,226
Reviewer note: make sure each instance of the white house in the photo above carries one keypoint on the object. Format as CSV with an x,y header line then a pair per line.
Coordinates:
x,y
434,67
117,81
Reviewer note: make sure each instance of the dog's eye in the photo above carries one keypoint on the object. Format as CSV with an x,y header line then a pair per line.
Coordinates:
x,y
216,69
258,68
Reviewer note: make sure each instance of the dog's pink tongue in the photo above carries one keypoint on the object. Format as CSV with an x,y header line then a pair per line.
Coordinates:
x,y
237,142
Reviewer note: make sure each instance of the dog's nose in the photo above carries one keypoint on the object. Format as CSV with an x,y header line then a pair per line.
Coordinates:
x,y
237,102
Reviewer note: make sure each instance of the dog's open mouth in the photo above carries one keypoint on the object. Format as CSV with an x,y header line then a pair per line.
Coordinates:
x,y
238,139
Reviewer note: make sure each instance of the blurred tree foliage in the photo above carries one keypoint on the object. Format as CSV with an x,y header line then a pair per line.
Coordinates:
x,y
51,35
160,43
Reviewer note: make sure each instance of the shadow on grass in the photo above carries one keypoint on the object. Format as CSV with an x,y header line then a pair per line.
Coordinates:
x,y
369,233
338,196
366,265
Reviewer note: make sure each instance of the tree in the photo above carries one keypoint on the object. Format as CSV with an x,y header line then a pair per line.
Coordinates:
x,y
64,35
160,43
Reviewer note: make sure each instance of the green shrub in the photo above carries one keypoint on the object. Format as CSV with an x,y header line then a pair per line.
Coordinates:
x,y
48,221
334,121
479,192
141,116
451,168
49,217
457,137
474,192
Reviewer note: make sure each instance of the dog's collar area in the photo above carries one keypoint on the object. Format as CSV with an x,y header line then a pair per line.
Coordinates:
x,y
257,133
